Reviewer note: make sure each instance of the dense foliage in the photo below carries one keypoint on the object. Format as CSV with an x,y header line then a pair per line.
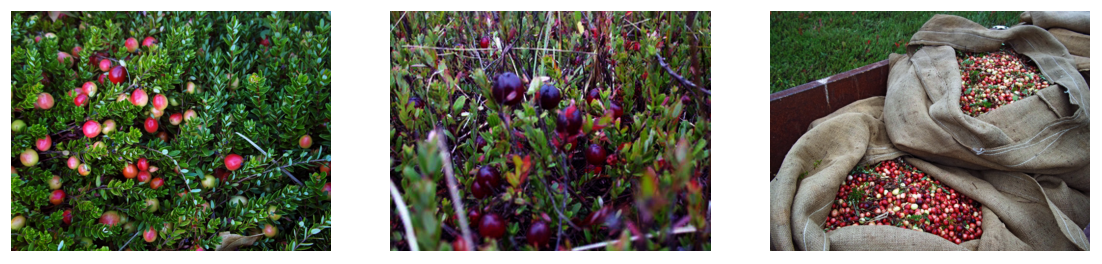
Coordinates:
x,y
201,88
550,130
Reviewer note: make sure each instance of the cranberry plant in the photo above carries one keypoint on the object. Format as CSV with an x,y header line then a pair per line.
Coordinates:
x,y
550,130
170,131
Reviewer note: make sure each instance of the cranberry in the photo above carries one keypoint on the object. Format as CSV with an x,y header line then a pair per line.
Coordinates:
x,y
117,75
491,226
593,94
570,120
234,162
67,217
149,41
73,162
150,125
595,154
549,97
417,102
507,89
538,233
131,44
43,144
617,111
105,66
488,175
160,102
156,183
484,42
479,142
57,196
143,176
479,190
150,235
143,164
110,218
45,101
91,129
80,100
139,98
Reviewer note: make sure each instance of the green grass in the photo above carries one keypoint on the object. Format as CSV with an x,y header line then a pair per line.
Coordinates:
x,y
807,46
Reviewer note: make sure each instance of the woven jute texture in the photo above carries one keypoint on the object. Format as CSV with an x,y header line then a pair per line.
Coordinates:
x,y
1047,133
1020,211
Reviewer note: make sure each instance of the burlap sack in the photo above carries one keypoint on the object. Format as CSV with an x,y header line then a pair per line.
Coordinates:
x,y
1079,21
1018,215
1048,133
848,137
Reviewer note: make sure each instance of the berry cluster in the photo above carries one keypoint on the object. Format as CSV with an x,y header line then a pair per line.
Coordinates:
x,y
894,193
990,80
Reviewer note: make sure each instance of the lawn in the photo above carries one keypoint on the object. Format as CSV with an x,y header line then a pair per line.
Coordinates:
x,y
807,46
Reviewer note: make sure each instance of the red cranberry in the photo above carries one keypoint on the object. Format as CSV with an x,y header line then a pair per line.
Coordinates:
x,y
131,45
91,129
570,120
43,144
150,125
507,89
491,226
549,97
117,74
80,100
44,101
156,183
67,217
143,176
485,42
149,41
595,154
143,164
57,197
234,162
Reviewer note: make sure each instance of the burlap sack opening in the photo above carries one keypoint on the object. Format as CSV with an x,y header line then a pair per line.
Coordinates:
x,y
848,137
1048,133
1018,213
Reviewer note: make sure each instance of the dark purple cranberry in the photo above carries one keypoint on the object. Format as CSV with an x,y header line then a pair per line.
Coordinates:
x,y
507,89
488,175
479,142
594,94
417,102
570,119
549,97
478,190
596,154
538,233
617,111
491,226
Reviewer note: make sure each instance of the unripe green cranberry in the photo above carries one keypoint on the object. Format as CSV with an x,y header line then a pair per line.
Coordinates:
x,y
54,182
18,126
18,222
270,230
108,126
152,204
28,158
210,181
239,200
